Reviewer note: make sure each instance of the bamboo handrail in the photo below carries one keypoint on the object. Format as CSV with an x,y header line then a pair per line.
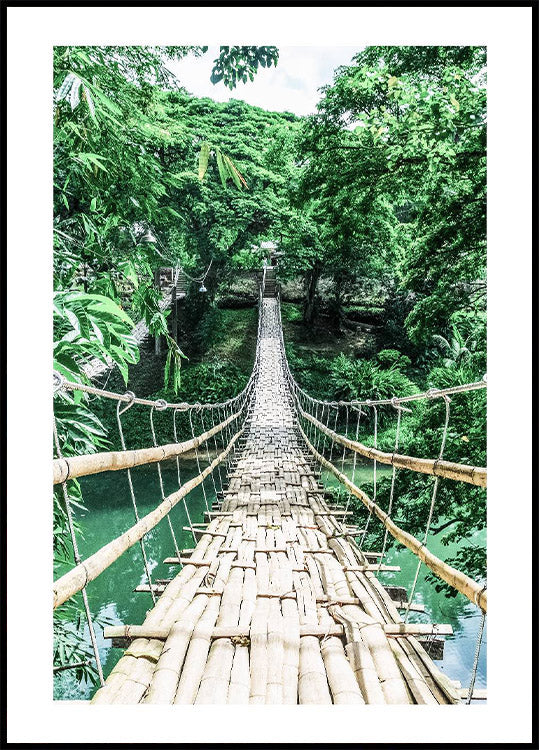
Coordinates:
x,y
447,469
88,569
455,578
95,463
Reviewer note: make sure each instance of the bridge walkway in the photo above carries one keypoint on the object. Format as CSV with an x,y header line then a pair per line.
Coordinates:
x,y
276,604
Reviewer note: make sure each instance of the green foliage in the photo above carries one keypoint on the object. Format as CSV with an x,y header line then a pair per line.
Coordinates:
x,y
360,379
88,326
395,159
236,64
387,182
214,381
291,313
393,358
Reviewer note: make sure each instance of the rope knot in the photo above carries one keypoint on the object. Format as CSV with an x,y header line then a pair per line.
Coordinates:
x,y
130,396
433,392
58,381
478,594
394,402
161,404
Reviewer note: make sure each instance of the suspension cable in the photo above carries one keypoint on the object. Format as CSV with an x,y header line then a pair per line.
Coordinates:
x,y
332,442
175,543
392,490
208,452
476,658
77,559
432,501
359,413
180,480
374,477
197,459
346,433
119,412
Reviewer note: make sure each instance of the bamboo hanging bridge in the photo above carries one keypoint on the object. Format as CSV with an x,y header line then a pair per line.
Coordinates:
x,y
277,602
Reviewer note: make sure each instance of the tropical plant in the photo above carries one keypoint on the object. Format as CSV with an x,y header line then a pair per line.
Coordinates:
x,y
361,379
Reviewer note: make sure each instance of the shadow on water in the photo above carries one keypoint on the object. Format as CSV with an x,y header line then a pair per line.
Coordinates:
x,y
109,513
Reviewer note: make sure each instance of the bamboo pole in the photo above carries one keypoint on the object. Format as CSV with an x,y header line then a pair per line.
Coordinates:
x,y
216,678
90,568
447,469
167,670
460,581
95,463
258,666
239,687
197,653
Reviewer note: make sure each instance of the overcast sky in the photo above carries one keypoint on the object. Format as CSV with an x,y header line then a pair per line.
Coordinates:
x,y
292,86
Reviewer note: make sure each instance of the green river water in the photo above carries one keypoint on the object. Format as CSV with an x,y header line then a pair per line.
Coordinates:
x,y
111,596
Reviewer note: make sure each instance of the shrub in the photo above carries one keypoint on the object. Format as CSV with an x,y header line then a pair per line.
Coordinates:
x,y
393,358
362,379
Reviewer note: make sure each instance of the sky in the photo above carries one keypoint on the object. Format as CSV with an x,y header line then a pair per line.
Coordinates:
x,y
292,86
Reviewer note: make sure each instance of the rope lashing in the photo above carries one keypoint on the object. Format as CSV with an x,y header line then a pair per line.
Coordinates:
x,y
58,381
398,408
432,502
479,593
119,412
173,535
476,658
77,558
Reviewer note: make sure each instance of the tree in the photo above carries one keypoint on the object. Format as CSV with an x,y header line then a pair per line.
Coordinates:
x,y
397,156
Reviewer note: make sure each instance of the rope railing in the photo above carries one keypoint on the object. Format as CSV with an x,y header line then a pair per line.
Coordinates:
x,y
474,591
95,463
447,469
87,570
396,400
